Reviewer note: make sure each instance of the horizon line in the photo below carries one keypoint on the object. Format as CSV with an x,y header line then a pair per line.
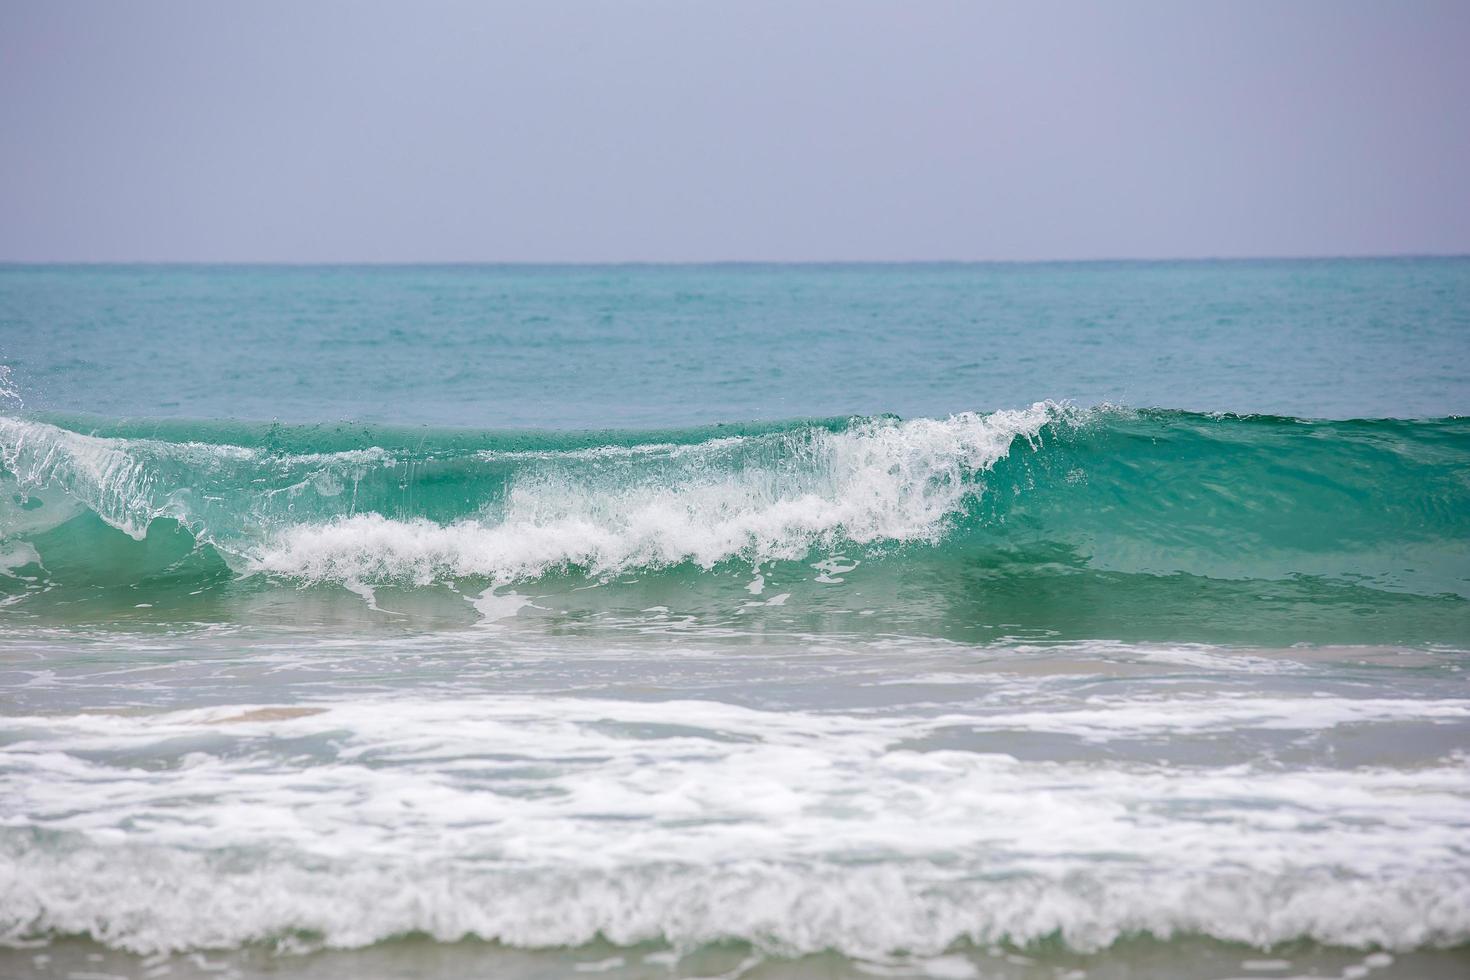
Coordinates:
x,y
694,263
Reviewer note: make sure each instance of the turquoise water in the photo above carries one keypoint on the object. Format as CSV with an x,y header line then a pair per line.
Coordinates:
x,y
1003,620
653,347
1047,522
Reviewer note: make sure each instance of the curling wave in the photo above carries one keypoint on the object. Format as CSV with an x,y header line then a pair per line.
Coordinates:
x,y
1379,505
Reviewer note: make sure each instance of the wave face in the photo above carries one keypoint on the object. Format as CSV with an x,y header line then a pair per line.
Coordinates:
x,y
1159,505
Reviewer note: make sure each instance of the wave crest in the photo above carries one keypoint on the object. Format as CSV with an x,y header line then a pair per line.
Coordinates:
x,y
1381,504
877,481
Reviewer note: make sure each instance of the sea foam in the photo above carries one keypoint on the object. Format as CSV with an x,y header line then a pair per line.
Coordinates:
x,y
877,481
548,821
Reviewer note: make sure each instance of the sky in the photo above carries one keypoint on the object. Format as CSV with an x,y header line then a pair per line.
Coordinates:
x,y
706,130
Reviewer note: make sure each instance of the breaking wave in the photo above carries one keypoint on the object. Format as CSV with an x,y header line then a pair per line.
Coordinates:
x,y
1382,506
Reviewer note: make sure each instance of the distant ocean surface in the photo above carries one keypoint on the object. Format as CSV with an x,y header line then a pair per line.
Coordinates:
x,y
1089,620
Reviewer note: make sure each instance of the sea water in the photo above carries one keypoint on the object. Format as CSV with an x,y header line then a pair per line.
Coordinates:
x,y
1075,620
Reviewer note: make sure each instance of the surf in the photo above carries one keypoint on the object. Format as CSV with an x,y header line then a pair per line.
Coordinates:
x,y
1372,511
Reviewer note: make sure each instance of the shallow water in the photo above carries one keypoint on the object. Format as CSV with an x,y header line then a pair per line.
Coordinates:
x,y
246,788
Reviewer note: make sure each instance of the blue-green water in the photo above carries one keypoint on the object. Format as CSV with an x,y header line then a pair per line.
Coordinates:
x,y
943,620
654,347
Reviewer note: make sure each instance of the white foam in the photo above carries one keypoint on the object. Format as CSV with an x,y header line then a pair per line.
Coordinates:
x,y
771,496
878,481
833,568
496,606
600,966
1104,718
693,822
369,596
670,450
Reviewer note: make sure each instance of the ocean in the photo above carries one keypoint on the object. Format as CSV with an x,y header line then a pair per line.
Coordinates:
x,y
1075,620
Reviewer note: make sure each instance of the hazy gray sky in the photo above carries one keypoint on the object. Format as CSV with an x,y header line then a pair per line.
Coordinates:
x,y
433,131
